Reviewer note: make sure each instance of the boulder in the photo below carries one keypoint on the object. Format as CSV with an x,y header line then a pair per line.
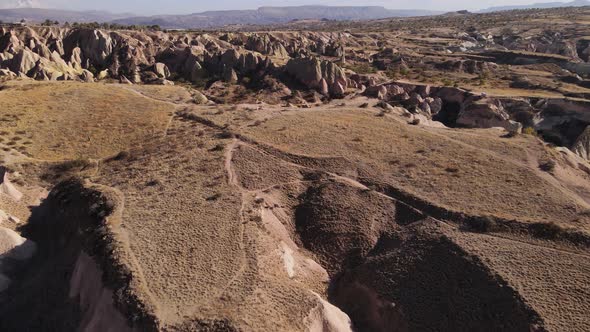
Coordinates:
x,y
23,62
230,75
395,90
161,70
87,76
377,91
513,127
436,105
103,74
199,98
7,73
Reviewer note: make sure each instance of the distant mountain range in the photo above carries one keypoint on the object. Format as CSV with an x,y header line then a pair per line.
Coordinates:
x,y
271,15
576,3
41,14
260,16
263,15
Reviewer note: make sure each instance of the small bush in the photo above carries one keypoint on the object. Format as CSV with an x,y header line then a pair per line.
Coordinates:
x,y
447,82
529,131
548,165
226,134
362,68
483,225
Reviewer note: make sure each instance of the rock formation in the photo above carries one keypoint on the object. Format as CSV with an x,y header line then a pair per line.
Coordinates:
x,y
324,76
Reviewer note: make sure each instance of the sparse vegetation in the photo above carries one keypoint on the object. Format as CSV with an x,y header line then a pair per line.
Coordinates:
x,y
529,131
548,165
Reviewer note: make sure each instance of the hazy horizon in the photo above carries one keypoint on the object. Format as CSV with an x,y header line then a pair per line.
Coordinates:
x,y
151,7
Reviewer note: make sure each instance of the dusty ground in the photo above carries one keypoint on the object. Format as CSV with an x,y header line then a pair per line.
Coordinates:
x,y
232,215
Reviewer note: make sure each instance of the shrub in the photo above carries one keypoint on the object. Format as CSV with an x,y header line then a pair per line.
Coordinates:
x,y
529,131
362,68
548,165
483,225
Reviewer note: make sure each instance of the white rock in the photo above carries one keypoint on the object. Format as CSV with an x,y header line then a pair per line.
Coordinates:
x,y
14,246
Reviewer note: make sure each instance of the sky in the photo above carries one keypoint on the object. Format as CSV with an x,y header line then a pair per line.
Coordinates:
x,y
154,7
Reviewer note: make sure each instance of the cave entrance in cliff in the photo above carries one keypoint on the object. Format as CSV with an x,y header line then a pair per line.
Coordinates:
x,y
449,113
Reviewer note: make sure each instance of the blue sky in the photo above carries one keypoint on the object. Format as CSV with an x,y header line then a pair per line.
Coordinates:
x,y
151,7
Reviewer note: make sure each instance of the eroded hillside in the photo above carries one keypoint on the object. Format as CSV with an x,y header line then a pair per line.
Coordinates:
x,y
289,181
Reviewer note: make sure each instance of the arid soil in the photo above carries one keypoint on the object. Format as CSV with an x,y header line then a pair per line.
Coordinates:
x,y
280,202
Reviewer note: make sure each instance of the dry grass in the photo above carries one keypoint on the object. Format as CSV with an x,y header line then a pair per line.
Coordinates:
x,y
495,181
58,121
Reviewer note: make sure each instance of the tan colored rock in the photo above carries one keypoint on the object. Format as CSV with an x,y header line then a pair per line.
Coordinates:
x,y
230,75
161,70
483,113
199,98
23,62
14,246
582,145
103,74
87,76
7,188
311,72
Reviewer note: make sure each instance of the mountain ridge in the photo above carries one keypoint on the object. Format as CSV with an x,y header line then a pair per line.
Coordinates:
x,y
272,14
540,5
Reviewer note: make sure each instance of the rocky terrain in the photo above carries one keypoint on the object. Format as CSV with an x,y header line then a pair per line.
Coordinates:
x,y
391,175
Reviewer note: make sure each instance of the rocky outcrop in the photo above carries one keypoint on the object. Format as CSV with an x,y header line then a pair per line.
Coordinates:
x,y
161,70
551,42
6,187
265,45
325,76
96,45
87,76
230,75
482,113
23,61
95,299
15,251
583,49
468,66
561,121
582,145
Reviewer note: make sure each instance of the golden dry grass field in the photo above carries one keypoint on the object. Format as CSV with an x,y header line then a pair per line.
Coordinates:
x,y
64,120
